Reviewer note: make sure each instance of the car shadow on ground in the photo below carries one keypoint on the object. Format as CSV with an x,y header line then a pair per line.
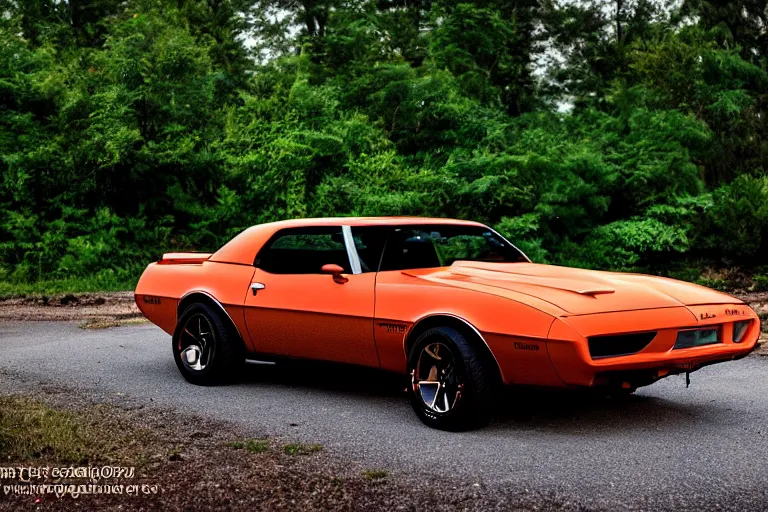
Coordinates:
x,y
569,411
565,411
323,376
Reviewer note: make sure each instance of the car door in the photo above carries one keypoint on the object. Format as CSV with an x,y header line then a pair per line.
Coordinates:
x,y
296,310
395,299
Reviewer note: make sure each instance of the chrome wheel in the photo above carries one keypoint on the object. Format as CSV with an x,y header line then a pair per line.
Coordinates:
x,y
196,343
436,380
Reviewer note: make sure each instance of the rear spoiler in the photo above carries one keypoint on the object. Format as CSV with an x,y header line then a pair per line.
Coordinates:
x,y
181,258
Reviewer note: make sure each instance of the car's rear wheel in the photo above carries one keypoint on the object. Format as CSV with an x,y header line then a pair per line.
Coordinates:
x,y
452,381
206,347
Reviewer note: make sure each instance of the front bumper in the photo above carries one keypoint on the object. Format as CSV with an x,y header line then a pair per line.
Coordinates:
x,y
568,347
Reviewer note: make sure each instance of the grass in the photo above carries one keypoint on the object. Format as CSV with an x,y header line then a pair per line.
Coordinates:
x,y
760,282
174,454
301,448
251,445
375,474
101,282
32,431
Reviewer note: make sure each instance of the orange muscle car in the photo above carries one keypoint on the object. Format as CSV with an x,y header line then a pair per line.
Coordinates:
x,y
451,304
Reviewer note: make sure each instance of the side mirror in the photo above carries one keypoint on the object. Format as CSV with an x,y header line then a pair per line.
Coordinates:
x,y
336,271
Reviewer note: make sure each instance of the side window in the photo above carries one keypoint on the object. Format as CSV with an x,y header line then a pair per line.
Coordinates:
x,y
369,242
304,251
409,248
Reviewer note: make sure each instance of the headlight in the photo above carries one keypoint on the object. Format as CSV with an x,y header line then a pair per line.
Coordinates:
x,y
739,330
697,337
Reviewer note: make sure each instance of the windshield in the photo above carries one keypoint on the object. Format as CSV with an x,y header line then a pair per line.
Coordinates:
x,y
431,246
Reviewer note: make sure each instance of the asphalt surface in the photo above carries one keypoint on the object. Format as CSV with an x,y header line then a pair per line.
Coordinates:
x,y
667,447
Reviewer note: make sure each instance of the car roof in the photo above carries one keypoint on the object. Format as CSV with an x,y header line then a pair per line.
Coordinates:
x,y
367,221
243,248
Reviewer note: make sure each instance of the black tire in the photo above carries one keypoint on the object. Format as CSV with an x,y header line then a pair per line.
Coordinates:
x,y
226,356
477,374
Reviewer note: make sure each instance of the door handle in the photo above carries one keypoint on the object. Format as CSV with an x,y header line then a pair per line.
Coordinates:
x,y
255,287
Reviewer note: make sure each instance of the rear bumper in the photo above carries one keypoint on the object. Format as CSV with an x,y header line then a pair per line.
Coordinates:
x,y
568,347
160,309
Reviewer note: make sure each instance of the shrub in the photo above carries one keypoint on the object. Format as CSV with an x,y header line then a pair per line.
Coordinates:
x,y
739,220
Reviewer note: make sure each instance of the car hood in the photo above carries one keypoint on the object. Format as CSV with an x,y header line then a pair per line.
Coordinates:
x,y
573,290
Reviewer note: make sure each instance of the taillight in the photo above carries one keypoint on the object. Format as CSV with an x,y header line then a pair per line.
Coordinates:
x,y
739,330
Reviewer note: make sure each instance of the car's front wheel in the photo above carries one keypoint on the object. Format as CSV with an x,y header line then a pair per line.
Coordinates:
x,y
452,381
206,348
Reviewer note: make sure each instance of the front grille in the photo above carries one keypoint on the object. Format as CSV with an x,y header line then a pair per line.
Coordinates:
x,y
688,338
618,344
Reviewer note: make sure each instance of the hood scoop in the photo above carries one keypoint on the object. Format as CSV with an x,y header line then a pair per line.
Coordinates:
x,y
594,291
473,270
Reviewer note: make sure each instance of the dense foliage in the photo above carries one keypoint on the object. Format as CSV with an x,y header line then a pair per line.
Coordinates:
x,y
614,134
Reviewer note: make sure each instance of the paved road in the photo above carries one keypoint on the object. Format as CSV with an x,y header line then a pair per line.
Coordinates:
x,y
667,447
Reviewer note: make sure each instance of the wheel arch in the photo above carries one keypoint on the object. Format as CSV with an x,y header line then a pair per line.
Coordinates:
x,y
206,298
458,323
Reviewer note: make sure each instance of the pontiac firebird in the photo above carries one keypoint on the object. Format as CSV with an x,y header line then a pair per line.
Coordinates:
x,y
451,304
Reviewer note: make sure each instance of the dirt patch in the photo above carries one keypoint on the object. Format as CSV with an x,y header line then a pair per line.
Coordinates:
x,y
186,463
753,298
114,306
106,323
